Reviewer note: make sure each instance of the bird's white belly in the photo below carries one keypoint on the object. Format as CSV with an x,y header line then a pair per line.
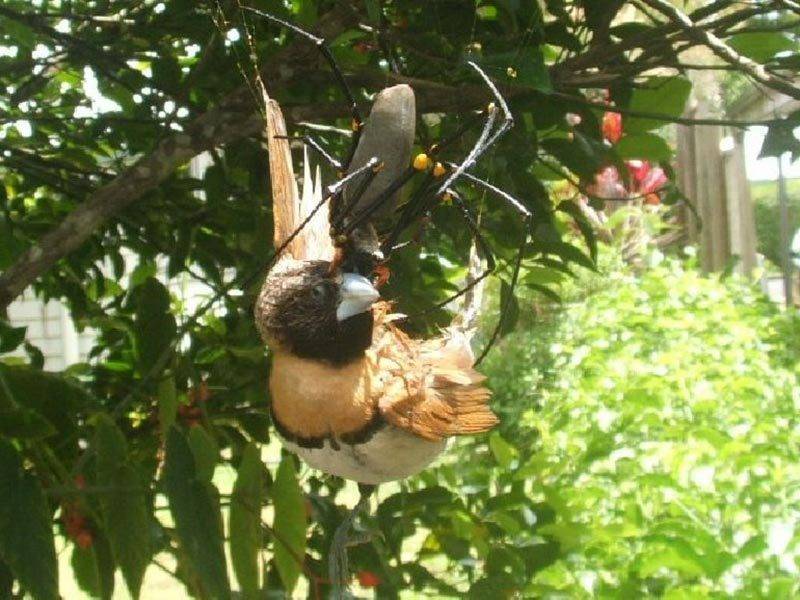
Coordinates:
x,y
390,454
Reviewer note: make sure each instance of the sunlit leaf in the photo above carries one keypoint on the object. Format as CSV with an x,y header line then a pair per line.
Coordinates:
x,y
289,524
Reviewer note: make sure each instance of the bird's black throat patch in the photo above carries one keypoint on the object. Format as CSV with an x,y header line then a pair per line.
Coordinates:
x,y
339,343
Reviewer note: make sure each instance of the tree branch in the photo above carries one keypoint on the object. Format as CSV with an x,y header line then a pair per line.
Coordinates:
x,y
755,70
232,119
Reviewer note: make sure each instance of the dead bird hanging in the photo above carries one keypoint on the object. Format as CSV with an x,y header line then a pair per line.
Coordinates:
x,y
351,393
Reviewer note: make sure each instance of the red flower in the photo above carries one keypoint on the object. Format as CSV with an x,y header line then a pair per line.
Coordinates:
x,y
368,579
647,180
638,170
612,126
653,181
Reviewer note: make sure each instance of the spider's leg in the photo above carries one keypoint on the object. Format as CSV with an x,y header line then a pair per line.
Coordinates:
x,y
488,137
512,286
319,42
510,200
364,175
316,146
416,205
472,224
508,118
528,218
364,215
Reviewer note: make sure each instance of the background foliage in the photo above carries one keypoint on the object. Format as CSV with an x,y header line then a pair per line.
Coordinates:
x,y
767,213
147,455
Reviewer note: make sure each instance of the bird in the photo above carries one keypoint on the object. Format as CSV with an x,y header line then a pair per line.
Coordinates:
x,y
351,393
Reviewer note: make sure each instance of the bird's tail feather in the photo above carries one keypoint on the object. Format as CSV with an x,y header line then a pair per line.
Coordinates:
x,y
289,209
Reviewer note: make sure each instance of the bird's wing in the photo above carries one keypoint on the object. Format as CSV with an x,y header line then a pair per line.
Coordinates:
x,y
430,388
289,208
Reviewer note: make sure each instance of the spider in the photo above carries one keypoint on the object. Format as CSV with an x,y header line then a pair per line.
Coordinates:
x,y
355,201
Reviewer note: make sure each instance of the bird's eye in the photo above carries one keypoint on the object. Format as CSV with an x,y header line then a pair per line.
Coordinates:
x,y
320,291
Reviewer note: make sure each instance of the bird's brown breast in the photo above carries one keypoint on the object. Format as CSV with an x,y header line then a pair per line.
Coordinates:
x,y
313,399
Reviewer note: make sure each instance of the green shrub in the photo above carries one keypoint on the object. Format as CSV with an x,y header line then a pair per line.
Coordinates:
x,y
768,216
650,447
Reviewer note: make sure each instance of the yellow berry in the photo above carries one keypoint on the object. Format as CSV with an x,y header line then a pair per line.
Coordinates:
x,y
438,170
421,161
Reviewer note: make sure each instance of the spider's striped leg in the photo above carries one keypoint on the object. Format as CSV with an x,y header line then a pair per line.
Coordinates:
x,y
486,251
528,218
512,286
488,137
416,206
358,121
483,246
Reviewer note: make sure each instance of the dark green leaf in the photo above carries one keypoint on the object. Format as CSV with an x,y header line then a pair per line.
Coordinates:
x,y
167,404
194,505
289,525
245,521
124,509
205,451
509,309
155,325
26,531
24,423
779,140
10,337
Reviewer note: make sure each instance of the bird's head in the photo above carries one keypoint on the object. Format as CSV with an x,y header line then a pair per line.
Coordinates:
x,y
316,314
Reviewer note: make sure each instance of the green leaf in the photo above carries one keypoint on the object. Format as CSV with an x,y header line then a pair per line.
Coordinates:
x,y
244,524
487,12
56,398
504,453
662,95
86,571
124,509
167,404
781,139
155,325
24,424
26,530
205,451
6,580
194,505
93,567
509,309
644,146
10,337
290,523
760,45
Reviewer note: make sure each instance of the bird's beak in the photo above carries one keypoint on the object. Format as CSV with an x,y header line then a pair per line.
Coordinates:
x,y
357,296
